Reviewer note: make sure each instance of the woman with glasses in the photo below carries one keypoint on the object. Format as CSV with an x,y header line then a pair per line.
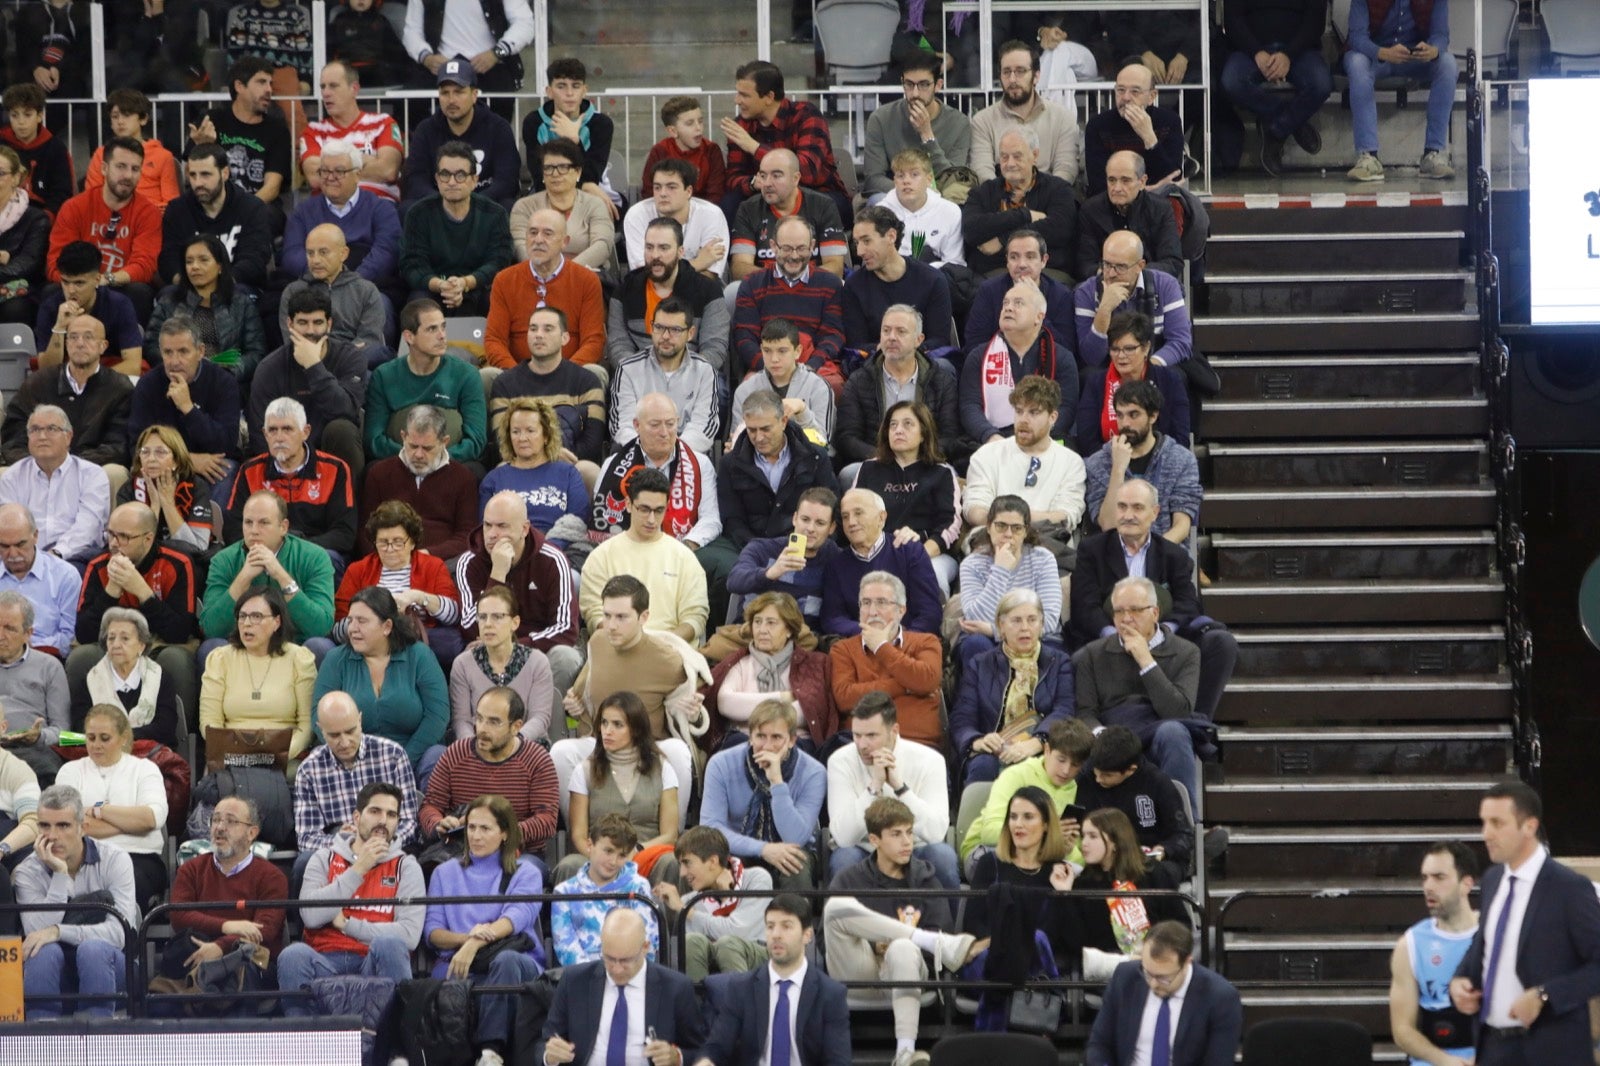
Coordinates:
x,y
1128,341
535,464
228,320
259,679
125,677
420,583
918,487
592,235
162,478
1006,555
24,239
1110,931
497,659
124,798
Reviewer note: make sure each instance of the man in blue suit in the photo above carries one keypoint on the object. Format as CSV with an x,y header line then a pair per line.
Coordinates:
x,y
1195,1014
1535,962
813,1026
622,1010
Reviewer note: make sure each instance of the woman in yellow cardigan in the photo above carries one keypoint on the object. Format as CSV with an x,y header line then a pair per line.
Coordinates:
x,y
260,680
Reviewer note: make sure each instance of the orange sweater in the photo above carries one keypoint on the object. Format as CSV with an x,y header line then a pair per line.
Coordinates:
x,y
158,181
910,672
515,294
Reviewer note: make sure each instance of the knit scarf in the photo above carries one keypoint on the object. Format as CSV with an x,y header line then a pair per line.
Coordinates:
x,y
103,683
13,209
1018,702
758,821
722,906
624,769
519,659
610,509
771,669
1108,410
997,382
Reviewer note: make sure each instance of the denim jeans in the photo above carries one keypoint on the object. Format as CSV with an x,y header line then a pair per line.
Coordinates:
x,y
1364,73
387,956
1171,748
1281,113
101,969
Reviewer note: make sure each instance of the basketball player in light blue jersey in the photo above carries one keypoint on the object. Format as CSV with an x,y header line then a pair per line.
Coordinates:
x,y
1425,1024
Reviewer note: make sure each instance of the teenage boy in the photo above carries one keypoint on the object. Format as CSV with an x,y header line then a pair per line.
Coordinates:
x,y
725,935
685,121
567,114
1066,750
575,927
129,115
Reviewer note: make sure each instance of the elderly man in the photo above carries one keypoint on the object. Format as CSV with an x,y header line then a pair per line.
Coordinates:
x,y
315,486
1123,284
670,366
335,772
767,469
1021,195
548,278
812,299
919,121
768,123
96,401
1125,204
668,568
1139,451
665,272
779,196
360,312
67,864
507,550
889,658
1027,257
887,278
215,205
495,760
267,555
444,493
192,394
462,117
325,374
1022,348
68,497
1029,463
426,376
1052,127
1137,125
870,548
33,689
373,134
576,393
47,582
455,242
702,226
369,222
899,370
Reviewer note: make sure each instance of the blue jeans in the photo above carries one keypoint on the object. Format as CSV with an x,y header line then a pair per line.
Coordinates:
x,y
299,964
1171,749
1440,77
494,1012
946,866
101,968
1281,113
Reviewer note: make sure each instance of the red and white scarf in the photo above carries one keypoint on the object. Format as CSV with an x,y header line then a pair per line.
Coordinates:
x,y
997,382
610,512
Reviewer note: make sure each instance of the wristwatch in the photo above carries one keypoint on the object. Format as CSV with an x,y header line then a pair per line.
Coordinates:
x,y
903,789
1544,994
291,590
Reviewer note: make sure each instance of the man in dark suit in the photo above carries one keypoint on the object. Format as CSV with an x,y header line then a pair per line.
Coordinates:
x,y
816,1022
622,1010
1197,1013
1535,961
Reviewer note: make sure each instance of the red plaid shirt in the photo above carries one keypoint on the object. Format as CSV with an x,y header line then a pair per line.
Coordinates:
x,y
799,127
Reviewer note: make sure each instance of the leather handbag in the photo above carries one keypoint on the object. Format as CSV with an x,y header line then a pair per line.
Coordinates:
x,y
1034,1010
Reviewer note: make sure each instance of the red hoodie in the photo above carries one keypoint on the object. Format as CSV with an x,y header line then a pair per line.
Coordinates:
x,y
132,245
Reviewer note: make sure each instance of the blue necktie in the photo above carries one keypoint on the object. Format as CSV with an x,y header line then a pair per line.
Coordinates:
x,y
782,1037
1494,950
617,1046
1161,1044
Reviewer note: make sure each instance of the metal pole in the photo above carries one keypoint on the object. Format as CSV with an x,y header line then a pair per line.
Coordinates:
x,y
985,44
319,44
764,30
1205,93
97,50
541,40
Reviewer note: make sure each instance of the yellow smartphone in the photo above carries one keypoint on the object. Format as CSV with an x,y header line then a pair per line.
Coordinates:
x,y
797,544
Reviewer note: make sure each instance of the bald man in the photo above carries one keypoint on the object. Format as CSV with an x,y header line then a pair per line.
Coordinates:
x,y
326,785
1121,283
96,401
360,311
370,223
1021,347
1126,205
779,195
549,278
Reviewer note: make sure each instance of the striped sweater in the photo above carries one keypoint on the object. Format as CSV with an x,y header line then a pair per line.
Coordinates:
x,y
527,779
814,303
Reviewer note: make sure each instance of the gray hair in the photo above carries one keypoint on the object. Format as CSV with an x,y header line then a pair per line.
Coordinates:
x,y
425,418
883,577
903,309
338,146
287,407
125,614
762,402
1149,489
51,410
251,809
13,598
1028,135
183,324
1017,597
63,798
872,497
1144,583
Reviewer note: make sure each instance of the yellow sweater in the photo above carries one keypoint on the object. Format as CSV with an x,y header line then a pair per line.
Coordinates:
x,y
228,686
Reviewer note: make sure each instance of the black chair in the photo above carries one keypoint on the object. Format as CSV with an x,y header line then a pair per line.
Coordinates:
x,y
984,1049
1307,1042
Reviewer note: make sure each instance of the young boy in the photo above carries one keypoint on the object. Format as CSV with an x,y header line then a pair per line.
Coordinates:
x,y
575,927
51,179
1066,750
686,127
725,935
917,204
363,36
567,115
130,113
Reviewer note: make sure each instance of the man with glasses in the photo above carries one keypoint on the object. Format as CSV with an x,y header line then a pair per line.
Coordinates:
x,y
547,279
462,118
95,400
676,597
360,312
48,584
455,242
1022,194
369,222
1122,284
872,549
795,290
33,690
1055,127
374,134
884,656
1148,996
778,198
68,496
918,120
1021,348
215,205
672,367
1136,125
1126,205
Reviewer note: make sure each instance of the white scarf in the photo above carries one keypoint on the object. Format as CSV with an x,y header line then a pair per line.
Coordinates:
x,y
104,685
996,383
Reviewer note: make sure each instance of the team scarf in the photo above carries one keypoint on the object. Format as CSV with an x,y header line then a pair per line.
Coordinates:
x,y
1108,410
997,383
610,508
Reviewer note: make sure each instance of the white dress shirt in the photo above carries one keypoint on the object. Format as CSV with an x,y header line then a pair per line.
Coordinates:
x,y
634,990
773,1021
1147,1021
1507,986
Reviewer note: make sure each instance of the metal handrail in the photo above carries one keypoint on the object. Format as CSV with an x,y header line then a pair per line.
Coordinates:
x,y
129,957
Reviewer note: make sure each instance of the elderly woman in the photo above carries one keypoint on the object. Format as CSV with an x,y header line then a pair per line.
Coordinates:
x,y
1006,555
591,231
125,677
1011,695
536,465
124,798
773,665
918,487
1128,341
163,479
259,680
496,659
420,582
24,239
394,679
228,320
497,942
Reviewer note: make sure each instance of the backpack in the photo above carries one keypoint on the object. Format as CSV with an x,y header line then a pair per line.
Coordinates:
x,y
527,1025
1194,221
435,1022
267,787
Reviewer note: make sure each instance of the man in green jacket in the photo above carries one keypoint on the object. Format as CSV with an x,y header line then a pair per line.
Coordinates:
x,y
425,375
1066,749
456,242
269,557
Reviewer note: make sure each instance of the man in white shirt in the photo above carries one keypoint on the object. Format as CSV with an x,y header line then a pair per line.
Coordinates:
x,y
1139,1021
69,497
1046,473
705,227
926,214
877,764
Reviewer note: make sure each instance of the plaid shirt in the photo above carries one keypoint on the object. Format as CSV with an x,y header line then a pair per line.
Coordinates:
x,y
799,127
325,792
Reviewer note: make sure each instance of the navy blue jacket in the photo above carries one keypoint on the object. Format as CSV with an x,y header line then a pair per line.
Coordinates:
x,y
983,689
1208,1025
739,1033
670,1008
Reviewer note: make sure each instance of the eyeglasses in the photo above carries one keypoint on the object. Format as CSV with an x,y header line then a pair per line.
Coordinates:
x,y
223,821
448,176
1161,978
254,617
393,543
879,604
558,169
334,172
1117,268
924,84
39,431
1126,349
1008,527
122,538
792,249
1130,612
1033,472
671,331
149,452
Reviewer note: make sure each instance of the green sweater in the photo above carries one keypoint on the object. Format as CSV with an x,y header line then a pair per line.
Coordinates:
x,y
985,829
454,387
438,246
311,609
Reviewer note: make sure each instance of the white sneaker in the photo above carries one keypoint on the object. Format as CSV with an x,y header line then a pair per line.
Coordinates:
x,y
912,1058
1434,165
486,1057
399,1060
1367,168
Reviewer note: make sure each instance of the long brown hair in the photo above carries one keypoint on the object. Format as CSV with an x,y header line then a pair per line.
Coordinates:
x,y
638,719
505,817
1127,858
928,451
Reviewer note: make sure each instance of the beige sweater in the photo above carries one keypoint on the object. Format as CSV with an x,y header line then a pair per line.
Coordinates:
x,y
1059,141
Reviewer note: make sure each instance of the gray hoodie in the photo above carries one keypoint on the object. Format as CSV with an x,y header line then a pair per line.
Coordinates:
x,y
407,921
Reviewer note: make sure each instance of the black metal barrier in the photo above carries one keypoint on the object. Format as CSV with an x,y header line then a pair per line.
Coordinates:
x,y
131,970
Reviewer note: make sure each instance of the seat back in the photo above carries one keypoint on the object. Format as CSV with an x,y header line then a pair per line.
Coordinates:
x,y
1499,23
856,37
17,349
1573,27
1307,1042
973,797
465,334
981,1049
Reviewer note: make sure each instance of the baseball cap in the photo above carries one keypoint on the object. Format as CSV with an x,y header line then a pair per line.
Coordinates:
x,y
459,71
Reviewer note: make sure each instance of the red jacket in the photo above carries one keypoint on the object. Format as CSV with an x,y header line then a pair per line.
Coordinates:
x,y
428,574
133,245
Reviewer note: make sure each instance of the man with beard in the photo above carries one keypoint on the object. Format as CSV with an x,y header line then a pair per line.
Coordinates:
x,y
1125,204
793,289
216,206
461,118
1055,127
494,761
665,271
442,492
359,311
230,874
253,133
315,485
124,225
456,242
1030,464
575,392
373,940
1022,194
1138,451
668,366
1425,1024
704,227
324,374
1022,347
426,376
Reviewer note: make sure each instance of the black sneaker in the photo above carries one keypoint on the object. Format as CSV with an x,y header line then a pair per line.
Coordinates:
x,y
1216,843
1309,140
1271,153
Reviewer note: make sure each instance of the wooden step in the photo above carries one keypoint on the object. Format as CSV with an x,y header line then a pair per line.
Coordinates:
x,y
1322,293
1303,752
1350,507
1378,700
1312,853
1332,603
1344,419
1370,650
1288,376
1411,464
1398,555
1335,251
1267,800
1301,958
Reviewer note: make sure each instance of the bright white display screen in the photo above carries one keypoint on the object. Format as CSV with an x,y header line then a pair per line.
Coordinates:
x,y
1564,200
